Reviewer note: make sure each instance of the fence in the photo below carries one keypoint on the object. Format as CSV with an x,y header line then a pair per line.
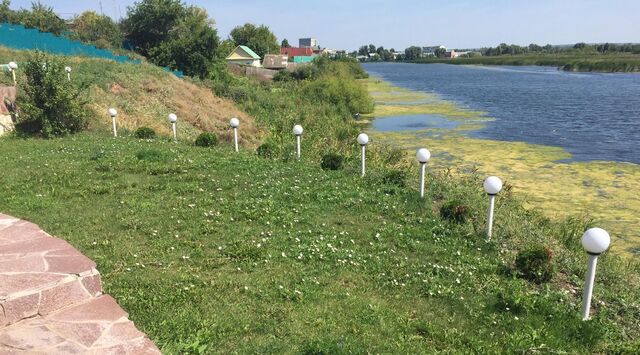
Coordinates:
x,y
19,37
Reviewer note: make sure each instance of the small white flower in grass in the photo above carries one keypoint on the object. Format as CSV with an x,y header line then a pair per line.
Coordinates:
x,y
246,288
281,287
298,292
284,255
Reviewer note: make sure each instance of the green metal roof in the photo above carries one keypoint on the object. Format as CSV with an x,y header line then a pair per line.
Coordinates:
x,y
250,52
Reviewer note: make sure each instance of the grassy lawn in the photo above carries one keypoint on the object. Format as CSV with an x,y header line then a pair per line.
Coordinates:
x,y
215,252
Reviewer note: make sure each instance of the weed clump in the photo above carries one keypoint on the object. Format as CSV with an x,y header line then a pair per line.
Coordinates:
x,y
267,150
145,133
206,139
395,177
535,264
455,211
332,161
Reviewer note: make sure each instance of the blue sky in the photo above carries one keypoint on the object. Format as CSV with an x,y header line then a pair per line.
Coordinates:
x,y
345,24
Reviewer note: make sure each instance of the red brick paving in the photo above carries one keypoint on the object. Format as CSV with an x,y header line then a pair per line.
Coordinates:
x,y
51,299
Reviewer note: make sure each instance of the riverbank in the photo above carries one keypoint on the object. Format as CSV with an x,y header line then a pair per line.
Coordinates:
x,y
606,63
595,190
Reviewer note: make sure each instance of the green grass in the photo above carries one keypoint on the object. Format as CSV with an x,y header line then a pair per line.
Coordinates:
x,y
215,252
619,62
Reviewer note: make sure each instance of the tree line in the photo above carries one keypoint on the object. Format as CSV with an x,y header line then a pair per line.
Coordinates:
x,y
168,33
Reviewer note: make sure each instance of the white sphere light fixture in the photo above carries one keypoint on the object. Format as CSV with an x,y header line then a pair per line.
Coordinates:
x,y
363,139
297,130
113,112
492,185
596,241
13,65
234,123
423,155
172,118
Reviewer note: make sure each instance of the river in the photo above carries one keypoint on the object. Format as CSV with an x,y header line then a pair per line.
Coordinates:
x,y
593,116
569,140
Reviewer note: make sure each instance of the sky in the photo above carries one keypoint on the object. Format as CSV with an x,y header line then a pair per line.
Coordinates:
x,y
348,24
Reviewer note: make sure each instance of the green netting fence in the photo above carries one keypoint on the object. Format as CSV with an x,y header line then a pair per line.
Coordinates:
x,y
18,37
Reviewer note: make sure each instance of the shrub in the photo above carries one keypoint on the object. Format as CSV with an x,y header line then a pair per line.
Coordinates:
x,y
267,150
51,106
145,133
332,161
535,264
206,139
455,211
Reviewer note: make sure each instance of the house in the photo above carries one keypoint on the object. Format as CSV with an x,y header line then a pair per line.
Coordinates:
x,y
275,61
296,52
453,54
243,55
308,43
430,51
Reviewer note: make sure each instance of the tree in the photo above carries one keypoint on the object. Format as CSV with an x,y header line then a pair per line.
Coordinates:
x,y
100,30
285,44
225,48
171,34
364,50
40,17
413,53
439,52
580,45
372,48
191,44
148,22
6,14
260,39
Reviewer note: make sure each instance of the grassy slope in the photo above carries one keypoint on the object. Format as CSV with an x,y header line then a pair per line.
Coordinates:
x,y
144,94
214,251
619,62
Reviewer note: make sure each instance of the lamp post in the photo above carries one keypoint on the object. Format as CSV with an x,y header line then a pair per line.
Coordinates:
x,y
423,155
492,185
12,68
173,119
113,113
595,241
363,140
235,123
68,70
297,130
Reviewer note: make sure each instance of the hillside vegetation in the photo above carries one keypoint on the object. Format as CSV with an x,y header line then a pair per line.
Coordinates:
x,y
144,94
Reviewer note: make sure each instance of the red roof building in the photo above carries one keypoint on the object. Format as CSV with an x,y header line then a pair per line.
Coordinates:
x,y
296,52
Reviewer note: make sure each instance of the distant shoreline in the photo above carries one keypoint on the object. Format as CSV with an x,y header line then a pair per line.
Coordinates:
x,y
597,63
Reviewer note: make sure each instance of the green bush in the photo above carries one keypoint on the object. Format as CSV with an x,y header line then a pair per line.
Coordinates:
x,y
51,105
145,133
455,211
332,161
267,150
206,139
536,264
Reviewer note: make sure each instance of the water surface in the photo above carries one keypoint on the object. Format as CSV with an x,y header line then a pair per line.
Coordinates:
x,y
593,116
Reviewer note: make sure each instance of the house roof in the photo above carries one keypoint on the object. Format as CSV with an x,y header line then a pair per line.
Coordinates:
x,y
296,52
244,49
